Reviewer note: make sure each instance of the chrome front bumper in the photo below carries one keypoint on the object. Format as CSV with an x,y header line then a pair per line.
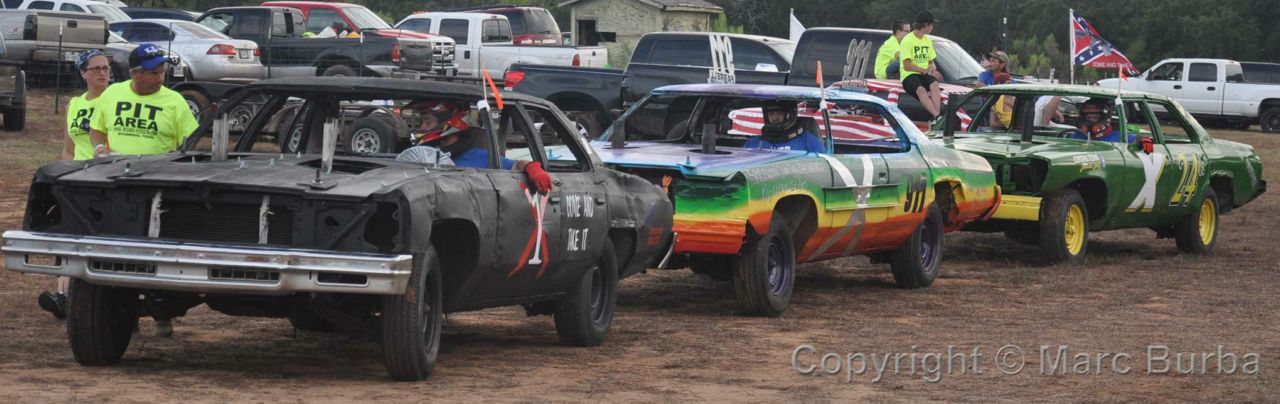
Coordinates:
x,y
204,268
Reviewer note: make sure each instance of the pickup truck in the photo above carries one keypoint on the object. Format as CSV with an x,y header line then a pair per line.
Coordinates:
x,y
13,94
1211,89
592,95
486,40
31,40
285,52
529,25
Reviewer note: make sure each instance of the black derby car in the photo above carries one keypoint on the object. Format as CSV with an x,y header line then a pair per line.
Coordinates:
x,y
341,241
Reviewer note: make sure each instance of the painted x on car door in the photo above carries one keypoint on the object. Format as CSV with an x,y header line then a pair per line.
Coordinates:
x,y
1147,177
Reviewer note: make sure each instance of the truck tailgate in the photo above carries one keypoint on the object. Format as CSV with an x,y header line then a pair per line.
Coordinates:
x,y
425,54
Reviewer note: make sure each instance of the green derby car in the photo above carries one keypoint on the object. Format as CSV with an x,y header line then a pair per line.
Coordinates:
x,y
1144,162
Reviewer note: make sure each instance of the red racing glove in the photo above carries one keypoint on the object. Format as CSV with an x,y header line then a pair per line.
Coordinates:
x,y
538,177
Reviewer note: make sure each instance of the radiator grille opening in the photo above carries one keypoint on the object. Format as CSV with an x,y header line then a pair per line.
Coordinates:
x,y
225,222
241,274
122,267
342,279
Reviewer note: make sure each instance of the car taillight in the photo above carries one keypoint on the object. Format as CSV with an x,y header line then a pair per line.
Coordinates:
x,y
577,60
512,80
221,49
395,53
257,52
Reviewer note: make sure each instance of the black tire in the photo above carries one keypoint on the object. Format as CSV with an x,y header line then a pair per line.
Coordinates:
x,y
764,275
1056,231
916,263
1242,125
583,316
1191,233
371,134
411,322
15,119
589,122
197,101
100,323
1270,120
339,71
716,267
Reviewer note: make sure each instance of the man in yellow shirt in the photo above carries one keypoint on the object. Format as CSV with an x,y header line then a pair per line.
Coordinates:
x,y
141,116
887,59
920,74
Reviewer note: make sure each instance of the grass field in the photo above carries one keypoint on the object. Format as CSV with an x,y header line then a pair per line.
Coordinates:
x,y
676,335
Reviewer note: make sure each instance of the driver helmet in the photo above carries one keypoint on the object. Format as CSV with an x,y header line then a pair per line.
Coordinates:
x,y
452,117
1095,116
779,131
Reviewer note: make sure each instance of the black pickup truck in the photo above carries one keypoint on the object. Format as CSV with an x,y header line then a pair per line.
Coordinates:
x,y
847,54
278,31
589,95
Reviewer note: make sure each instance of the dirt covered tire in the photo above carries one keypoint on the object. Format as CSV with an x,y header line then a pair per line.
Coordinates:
x,y
588,123
1064,228
411,322
339,71
583,316
716,267
1270,120
371,134
197,102
1198,232
916,263
15,119
764,275
100,323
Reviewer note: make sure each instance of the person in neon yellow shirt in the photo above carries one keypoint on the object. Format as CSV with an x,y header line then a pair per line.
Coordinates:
x,y
887,59
920,74
141,116
95,69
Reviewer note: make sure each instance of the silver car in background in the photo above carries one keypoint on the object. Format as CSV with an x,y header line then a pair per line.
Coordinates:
x,y
209,55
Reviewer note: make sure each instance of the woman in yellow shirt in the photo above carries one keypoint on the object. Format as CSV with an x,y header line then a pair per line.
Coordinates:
x,y
95,69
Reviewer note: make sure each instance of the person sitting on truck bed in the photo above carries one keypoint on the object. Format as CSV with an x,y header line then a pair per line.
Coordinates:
x,y
448,126
1095,122
920,74
782,130
888,58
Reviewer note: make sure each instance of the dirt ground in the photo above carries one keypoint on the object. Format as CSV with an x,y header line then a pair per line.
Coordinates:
x,y
676,335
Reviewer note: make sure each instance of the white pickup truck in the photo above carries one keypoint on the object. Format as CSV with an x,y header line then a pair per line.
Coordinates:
x,y
1212,90
485,39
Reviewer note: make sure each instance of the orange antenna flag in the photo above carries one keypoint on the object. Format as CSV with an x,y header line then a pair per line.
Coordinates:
x,y
496,95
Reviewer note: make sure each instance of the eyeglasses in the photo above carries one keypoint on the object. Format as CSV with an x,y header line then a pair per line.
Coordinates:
x,y
99,69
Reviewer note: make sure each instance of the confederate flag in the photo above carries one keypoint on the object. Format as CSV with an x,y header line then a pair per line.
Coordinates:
x,y
1089,49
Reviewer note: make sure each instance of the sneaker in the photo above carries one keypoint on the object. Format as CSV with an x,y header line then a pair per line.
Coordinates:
x,y
164,328
55,303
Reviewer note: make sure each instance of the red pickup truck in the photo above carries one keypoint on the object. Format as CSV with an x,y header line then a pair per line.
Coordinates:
x,y
355,17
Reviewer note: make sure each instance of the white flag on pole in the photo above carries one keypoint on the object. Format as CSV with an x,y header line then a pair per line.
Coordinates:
x,y
796,27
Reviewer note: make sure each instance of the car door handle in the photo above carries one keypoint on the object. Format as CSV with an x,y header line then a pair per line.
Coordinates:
x,y
555,199
600,201
466,54
1210,88
1177,87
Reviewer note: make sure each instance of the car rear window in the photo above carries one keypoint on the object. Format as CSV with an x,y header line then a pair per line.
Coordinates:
x,y
199,31
681,52
530,21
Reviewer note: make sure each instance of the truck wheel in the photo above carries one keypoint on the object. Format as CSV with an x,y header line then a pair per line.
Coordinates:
x,y
1064,228
716,267
15,119
100,322
197,101
339,71
588,124
371,134
411,322
765,274
1198,232
1270,120
916,263
584,316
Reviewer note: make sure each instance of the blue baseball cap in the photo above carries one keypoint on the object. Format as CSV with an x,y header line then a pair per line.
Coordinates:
x,y
147,56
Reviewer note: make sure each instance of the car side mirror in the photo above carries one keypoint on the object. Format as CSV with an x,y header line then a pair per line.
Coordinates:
x,y
1147,145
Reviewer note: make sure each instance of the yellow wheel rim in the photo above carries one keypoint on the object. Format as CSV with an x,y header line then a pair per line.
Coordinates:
x,y
1208,221
1073,230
